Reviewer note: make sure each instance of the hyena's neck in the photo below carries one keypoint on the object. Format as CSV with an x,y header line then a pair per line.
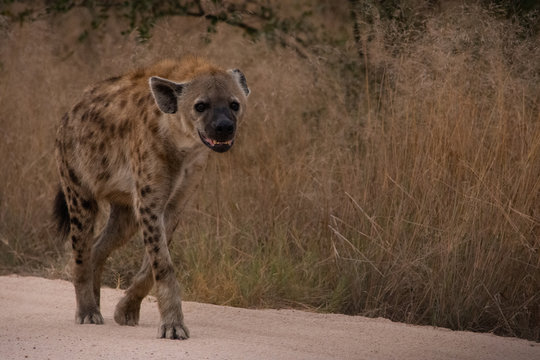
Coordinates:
x,y
171,145
176,135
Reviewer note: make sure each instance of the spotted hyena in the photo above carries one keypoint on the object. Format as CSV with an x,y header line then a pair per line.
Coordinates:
x,y
140,142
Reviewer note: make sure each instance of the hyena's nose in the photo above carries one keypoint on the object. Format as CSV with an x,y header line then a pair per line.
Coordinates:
x,y
224,128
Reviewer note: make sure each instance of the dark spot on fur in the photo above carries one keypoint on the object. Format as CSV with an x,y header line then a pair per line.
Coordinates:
x,y
162,273
78,261
85,116
104,176
74,239
123,104
101,146
75,221
123,128
112,129
146,190
95,116
74,202
112,79
153,217
148,240
68,145
150,228
137,75
104,161
155,264
154,128
77,108
141,101
156,249
87,204
74,179
99,99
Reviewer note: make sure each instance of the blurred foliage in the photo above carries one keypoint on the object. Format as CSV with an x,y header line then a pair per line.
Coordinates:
x,y
408,17
263,18
256,18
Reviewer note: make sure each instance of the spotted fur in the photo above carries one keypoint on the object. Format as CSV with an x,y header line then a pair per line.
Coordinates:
x,y
140,142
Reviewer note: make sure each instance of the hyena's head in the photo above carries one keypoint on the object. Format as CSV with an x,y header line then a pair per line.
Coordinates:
x,y
208,106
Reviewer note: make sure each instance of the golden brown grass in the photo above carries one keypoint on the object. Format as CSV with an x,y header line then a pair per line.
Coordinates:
x,y
417,200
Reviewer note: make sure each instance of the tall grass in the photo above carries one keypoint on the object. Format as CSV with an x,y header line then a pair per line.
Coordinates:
x,y
413,195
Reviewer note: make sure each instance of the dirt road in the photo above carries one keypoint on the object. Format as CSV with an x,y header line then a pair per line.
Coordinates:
x,y
36,322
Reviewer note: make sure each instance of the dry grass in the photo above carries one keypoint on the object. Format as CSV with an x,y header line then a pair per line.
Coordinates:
x,y
417,200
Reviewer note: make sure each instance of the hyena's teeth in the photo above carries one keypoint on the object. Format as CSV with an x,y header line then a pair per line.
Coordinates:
x,y
215,142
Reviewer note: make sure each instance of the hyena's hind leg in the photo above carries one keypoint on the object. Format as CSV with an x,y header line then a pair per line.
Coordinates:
x,y
120,227
82,211
128,308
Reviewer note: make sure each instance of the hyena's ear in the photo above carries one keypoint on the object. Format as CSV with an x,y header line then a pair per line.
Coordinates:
x,y
240,79
165,93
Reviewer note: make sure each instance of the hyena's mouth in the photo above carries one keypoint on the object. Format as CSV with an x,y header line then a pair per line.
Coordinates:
x,y
217,146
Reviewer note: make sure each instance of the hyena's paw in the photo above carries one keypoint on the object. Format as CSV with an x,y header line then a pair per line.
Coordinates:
x,y
175,330
92,316
127,312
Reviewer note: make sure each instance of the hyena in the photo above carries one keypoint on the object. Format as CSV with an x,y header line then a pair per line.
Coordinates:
x,y
140,142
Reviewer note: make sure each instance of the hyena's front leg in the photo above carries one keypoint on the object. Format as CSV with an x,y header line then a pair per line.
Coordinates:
x,y
167,289
157,267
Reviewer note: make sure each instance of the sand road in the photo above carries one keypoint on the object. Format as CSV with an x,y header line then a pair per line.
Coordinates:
x,y
36,322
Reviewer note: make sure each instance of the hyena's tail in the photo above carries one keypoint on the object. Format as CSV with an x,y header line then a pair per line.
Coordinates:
x,y
61,213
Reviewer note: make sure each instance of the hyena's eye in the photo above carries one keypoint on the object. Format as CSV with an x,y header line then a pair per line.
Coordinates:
x,y
201,106
235,106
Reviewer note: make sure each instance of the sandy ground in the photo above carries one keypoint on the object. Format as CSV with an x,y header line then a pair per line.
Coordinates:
x,y
37,322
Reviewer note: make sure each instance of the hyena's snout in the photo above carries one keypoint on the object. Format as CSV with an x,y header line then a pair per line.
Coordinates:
x,y
223,129
219,133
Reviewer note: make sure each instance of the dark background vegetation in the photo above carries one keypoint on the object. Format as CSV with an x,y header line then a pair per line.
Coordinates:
x,y
389,164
